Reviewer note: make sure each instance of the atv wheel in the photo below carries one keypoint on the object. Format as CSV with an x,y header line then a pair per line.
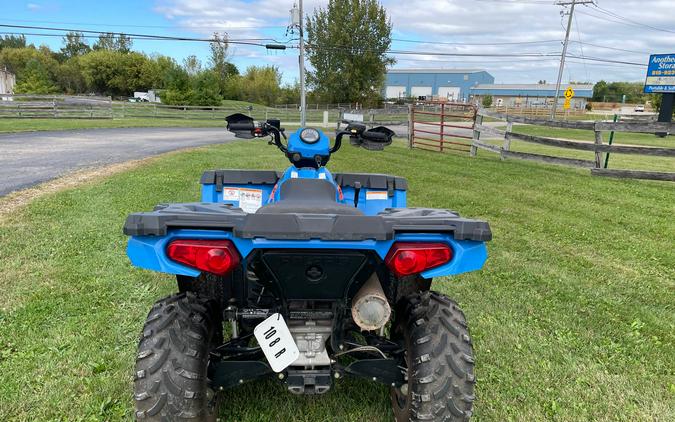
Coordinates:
x,y
170,382
439,358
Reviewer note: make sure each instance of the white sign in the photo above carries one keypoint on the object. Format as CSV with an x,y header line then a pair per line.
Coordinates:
x,y
276,342
353,117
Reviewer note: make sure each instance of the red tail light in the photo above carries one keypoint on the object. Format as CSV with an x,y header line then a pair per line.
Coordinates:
x,y
412,258
213,256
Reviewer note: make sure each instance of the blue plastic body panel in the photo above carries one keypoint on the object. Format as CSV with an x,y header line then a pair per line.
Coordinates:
x,y
210,194
309,151
149,252
371,201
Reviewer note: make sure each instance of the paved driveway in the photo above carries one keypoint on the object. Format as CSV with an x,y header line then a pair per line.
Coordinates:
x,y
27,159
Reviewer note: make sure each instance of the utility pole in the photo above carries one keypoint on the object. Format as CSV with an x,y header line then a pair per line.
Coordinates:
x,y
571,3
297,22
303,99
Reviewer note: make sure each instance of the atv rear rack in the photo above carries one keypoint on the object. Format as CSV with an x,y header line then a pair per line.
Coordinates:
x,y
383,226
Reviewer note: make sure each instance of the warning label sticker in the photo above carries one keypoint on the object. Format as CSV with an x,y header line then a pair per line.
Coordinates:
x,y
376,196
250,199
230,194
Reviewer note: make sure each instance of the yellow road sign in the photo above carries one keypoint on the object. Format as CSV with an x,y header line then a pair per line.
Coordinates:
x,y
569,93
567,104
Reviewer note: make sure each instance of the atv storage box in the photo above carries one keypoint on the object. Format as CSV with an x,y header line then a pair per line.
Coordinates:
x,y
250,188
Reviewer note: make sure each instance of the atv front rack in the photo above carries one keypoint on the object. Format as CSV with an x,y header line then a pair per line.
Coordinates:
x,y
383,226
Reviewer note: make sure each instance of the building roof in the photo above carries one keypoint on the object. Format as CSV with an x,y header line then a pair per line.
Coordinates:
x,y
530,87
531,90
434,70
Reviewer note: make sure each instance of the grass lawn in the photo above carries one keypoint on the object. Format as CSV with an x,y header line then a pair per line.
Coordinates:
x,y
616,161
28,125
573,318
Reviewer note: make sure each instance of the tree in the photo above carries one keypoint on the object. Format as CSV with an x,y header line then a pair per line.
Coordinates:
x,y
16,60
260,84
221,67
219,57
116,73
289,94
74,45
13,41
70,78
347,48
105,42
124,43
112,42
487,101
192,65
600,91
205,89
615,91
35,80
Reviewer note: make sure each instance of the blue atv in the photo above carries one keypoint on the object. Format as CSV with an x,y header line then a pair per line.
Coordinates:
x,y
305,277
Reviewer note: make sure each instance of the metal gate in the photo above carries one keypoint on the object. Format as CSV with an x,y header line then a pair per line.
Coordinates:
x,y
442,126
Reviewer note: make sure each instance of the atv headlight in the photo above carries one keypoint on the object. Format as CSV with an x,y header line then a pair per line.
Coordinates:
x,y
310,136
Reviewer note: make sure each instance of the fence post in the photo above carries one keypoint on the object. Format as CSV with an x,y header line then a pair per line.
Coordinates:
x,y
611,139
442,124
598,154
476,134
411,125
507,140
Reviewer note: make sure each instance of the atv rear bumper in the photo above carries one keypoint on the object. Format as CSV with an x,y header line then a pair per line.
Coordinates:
x,y
152,231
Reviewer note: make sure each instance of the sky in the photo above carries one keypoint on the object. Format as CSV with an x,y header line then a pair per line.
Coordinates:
x,y
427,33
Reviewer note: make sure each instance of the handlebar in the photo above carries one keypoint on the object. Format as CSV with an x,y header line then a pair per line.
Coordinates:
x,y
240,126
276,133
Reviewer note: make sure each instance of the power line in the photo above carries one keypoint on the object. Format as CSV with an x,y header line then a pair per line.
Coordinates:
x,y
611,48
149,38
139,36
616,15
610,17
581,46
252,42
469,43
539,2
443,54
216,28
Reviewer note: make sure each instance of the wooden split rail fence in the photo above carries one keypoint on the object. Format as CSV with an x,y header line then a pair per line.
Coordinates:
x,y
598,147
55,107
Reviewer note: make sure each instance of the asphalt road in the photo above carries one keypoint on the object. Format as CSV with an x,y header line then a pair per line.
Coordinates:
x,y
27,159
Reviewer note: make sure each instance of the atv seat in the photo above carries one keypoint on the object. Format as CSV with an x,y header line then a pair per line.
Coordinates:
x,y
308,196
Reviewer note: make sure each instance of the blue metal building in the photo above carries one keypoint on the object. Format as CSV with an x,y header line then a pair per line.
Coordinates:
x,y
451,84
530,95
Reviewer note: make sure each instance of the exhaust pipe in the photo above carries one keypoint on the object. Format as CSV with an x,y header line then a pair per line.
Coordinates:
x,y
370,308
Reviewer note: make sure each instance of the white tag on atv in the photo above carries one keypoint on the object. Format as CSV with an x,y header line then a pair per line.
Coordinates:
x,y
276,342
250,200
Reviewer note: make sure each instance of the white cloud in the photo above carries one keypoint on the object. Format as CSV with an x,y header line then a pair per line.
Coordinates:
x,y
468,23
33,7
